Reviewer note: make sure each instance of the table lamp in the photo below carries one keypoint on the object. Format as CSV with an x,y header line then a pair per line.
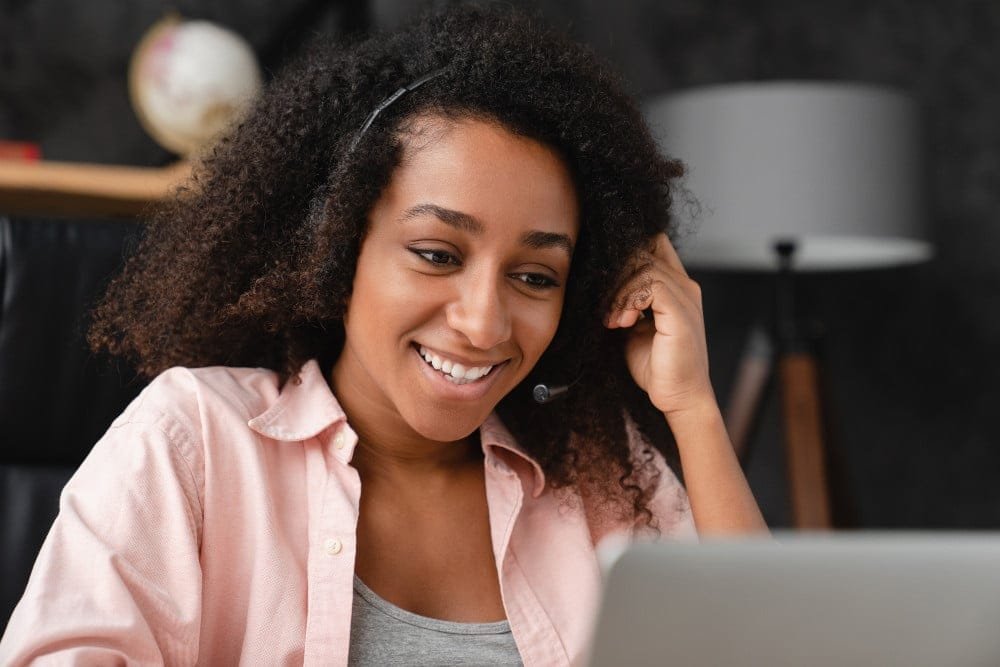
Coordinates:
x,y
795,176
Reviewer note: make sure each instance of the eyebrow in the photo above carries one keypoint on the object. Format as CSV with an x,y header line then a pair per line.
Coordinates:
x,y
538,240
461,221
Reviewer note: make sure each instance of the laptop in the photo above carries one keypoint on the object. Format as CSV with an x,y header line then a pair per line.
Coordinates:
x,y
830,600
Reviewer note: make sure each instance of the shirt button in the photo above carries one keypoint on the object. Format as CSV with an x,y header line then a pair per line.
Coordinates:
x,y
339,440
333,546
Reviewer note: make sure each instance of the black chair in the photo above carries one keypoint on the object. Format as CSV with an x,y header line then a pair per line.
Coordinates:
x,y
56,398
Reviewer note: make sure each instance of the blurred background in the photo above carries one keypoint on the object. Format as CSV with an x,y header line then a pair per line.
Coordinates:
x,y
910,377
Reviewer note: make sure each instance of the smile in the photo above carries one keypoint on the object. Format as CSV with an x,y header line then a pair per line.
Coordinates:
x,y
454,371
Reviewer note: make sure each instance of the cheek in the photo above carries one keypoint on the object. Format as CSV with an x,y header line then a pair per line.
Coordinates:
x,y
372,286
386,297
537,328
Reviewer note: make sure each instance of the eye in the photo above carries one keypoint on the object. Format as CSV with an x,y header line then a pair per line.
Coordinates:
x,y
436,257
536,281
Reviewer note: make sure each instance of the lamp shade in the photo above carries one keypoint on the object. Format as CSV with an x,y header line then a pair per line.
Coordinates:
x,y
834,167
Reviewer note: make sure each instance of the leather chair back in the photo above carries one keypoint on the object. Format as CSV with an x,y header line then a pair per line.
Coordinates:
x,y
56,398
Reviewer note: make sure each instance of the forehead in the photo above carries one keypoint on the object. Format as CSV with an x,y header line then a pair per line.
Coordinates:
x,y
481,168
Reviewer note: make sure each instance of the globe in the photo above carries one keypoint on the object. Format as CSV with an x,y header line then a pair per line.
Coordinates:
x,y
189,81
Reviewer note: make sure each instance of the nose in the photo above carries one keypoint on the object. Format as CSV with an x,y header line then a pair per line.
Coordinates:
x,y
479,311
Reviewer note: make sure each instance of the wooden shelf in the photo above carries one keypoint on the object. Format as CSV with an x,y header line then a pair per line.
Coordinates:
x,y
80,190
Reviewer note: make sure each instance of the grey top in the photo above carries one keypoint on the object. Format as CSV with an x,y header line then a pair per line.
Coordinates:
x,y
384,634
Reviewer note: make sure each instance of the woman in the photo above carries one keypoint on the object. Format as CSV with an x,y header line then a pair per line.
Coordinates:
x,y
355,299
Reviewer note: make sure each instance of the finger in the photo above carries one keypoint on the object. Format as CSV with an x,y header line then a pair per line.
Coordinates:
x,y
631,289
631,299
671,300
660,298
666,272
636,294
629,317
642,327
664,249
673,314
659,263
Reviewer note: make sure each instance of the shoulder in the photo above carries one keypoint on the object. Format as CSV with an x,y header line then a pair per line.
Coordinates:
x,y
185,413
194,398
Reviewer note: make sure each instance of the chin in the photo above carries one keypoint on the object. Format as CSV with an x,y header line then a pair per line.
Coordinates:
x,y
448,427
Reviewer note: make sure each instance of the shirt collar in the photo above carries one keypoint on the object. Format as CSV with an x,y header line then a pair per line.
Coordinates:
x,y
306,408
495,435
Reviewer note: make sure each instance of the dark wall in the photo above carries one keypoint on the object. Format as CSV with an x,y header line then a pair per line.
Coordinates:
x,y
910,355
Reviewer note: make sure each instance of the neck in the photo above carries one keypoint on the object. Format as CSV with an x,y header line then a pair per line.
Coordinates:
x,y
376,460
388,447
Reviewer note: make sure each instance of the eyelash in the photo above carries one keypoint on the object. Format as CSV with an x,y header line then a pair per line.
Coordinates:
x,y
428,256
541,281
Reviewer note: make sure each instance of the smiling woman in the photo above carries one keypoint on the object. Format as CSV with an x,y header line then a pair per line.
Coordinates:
x,y
339,459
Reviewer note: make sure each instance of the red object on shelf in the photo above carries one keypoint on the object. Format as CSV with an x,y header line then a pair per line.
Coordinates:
x,y
20,150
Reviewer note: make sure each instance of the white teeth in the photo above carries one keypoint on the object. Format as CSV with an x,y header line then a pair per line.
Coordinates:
x,y
430,358
453,371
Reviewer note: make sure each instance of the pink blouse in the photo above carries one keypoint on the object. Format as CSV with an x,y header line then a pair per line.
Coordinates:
x,y
215,524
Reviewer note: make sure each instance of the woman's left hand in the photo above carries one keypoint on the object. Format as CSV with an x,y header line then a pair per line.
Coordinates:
x,y
666,353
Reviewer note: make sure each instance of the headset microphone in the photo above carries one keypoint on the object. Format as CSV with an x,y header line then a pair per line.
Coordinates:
x,y
543,393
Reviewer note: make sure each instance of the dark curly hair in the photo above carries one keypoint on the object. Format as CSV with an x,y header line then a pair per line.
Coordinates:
x,y
252,262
